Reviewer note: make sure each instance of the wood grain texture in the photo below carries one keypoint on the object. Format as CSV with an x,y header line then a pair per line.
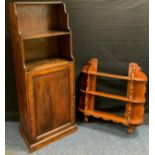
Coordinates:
x,y
135,98
44,68
35,18
47,90
20,74
48,47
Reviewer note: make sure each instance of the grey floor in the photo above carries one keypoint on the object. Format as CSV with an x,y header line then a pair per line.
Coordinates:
x,y
95,138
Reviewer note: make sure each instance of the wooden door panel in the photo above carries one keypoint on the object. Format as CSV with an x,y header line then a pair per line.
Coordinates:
x,y
51,100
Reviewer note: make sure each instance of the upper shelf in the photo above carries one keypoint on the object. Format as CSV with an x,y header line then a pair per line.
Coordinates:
x,y
114,76
47,18
43,34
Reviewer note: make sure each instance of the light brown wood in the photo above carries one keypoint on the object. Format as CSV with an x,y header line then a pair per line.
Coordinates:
x,y
114,76
44,66
135,98
112,96
44,34
107,116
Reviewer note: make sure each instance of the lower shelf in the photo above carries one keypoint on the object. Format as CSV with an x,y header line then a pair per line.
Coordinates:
x,y
39,144
112,96
107,116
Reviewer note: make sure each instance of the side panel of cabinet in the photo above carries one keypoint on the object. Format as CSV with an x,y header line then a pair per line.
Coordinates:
x,y
49,99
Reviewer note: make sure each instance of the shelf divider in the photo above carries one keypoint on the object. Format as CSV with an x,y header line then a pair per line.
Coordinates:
x,y
44,34
112,96
102,94
40,64
114,76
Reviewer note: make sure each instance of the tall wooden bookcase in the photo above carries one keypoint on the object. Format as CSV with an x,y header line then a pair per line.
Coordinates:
x,y
44,67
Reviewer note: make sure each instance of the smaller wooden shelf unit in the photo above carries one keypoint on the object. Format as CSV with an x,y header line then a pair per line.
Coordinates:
x,y
135,98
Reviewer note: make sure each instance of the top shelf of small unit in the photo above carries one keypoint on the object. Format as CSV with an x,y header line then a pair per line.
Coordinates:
x,y
44,34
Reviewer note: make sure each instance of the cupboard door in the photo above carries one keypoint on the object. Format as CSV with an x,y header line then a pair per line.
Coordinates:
x,y
49,96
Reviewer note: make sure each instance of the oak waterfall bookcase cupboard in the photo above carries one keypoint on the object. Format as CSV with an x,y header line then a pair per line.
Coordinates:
x,y
44,67
135,98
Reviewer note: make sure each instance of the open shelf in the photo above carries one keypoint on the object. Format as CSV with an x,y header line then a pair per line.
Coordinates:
x,y
42,64
114,76
44,29
102,94
112,96
43,34
107,116
42,20
47,48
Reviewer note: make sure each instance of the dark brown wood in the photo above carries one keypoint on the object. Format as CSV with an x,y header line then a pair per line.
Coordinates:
x,y
44,65
135,98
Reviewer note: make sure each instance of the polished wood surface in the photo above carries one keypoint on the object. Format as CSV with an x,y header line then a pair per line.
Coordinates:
x,y
135,98
121,77
44,66
45,88
44,34
44,63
